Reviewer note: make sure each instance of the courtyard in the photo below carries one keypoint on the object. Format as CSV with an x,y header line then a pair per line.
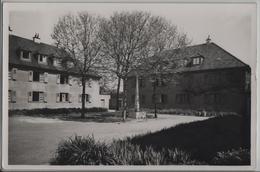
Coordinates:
x,y
33,140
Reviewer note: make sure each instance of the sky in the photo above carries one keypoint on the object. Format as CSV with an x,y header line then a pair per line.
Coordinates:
x,y
231,26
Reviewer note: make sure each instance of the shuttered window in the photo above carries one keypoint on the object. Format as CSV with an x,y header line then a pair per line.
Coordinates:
x,y
37,96
63,97
14,74
182,98
64,79
11,96
36,76
87,98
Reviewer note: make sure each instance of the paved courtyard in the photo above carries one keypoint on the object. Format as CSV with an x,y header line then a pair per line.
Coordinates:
x,y
33,140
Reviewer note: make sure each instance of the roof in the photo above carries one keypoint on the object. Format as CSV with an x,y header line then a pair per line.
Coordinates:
x,y
214,57
17,43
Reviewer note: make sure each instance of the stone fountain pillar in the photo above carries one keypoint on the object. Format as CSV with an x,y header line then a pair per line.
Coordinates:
x,y
137,113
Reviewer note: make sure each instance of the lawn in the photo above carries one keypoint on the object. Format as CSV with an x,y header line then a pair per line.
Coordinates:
x,y
202,139
222,140
33,140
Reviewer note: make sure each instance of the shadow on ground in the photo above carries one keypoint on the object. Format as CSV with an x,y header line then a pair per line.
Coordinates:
x,y
202,139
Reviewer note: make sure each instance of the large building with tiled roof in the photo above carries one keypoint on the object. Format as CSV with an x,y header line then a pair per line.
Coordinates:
x,y
40,76
210,79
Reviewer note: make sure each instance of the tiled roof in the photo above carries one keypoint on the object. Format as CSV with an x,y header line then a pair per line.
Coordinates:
x,y
214,57
17,43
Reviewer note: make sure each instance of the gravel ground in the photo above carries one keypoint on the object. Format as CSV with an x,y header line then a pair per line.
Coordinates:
x,y
33,140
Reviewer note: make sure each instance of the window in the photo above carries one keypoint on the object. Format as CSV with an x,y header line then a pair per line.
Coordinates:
x,y
160,82
38,76
164,98
153,98
197,60
182,98
133,82
214,98
25,55
64,97
70,64
64,79
42,59
141,82
57,62
11,96
37,96
185,62
9,74
87,98
142,99
133,99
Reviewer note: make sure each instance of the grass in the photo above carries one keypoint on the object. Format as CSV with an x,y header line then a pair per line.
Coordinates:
x,y
216,141
203,139
73,114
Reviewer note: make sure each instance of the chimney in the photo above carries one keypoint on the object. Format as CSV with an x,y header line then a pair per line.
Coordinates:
x,y
36,38
208,40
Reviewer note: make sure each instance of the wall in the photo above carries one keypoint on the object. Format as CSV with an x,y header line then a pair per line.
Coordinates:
x,y
22,86
229,84
106,99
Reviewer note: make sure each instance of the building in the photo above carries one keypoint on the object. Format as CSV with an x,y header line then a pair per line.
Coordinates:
x,y
113,100
208,79
39,78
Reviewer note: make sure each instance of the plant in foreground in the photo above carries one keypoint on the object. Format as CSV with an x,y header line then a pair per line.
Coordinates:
x,y
232,157
86,151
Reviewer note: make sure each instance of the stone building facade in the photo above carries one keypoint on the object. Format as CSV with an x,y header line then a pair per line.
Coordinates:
x,y
38,78
207,78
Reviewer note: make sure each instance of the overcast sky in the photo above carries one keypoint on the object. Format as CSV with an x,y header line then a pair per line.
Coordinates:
x,y
231,26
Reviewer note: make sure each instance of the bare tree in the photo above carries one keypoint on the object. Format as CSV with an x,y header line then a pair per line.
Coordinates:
x,y
125,36
162,68
78,36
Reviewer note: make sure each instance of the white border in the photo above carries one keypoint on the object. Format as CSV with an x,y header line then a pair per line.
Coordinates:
x,y
120,168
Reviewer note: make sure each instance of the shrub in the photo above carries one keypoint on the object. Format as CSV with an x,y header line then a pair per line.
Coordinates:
x,y
232,157
82,151
49,112
85,151
190,112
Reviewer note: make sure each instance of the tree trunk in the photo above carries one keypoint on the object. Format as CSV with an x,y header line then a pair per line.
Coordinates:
x,y
83,99
124,113
155,100
117,93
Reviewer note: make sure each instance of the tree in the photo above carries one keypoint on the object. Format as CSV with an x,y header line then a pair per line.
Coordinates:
x,y
125,37
77,35
162,68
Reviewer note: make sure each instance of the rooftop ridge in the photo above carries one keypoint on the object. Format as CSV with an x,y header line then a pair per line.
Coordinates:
x,y
27,39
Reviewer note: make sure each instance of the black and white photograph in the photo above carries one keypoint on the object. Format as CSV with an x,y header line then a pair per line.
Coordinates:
x,y
168,86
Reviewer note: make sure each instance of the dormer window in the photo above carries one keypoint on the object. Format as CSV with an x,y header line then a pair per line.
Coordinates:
x,y
197,60
57,62
183,63
70,64
42,59
25,55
